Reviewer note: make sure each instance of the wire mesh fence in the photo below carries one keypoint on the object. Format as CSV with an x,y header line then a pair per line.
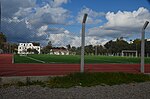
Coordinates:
x,y
54,28
49,35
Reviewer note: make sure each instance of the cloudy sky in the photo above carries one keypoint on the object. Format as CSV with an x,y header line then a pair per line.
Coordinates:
x,y
59,21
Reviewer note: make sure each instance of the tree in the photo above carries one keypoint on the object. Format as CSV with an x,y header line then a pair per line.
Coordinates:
x,y
89,49
121,45
2,37
3,40
73,49
14,47
49,46
136,45
32,50
49,43
100,49
11,48
35,51
147,47
29,50
68,47
46,49
108,44
117,46
36,44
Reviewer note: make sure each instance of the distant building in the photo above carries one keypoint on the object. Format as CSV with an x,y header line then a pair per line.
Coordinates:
x,y
27,48
59,51
148,39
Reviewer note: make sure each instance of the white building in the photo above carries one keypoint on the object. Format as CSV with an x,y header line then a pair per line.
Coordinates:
x,y
59,51
23,47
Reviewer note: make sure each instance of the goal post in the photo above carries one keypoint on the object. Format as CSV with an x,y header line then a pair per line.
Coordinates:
x,y
124,52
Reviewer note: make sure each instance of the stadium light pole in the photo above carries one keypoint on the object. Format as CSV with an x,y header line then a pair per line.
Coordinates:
x,y
143,46
83,43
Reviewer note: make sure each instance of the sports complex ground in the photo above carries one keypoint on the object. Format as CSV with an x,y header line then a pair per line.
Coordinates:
x,y
40,65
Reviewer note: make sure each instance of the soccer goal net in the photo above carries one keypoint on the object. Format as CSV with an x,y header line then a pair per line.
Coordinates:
x,y
130,53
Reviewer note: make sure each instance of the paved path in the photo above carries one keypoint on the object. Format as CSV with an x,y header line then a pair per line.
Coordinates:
x,y
9,69
123,91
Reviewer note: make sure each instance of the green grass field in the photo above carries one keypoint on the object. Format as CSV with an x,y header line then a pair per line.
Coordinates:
x,y
76,59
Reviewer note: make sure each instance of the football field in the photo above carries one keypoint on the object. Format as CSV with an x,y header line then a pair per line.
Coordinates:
x,y
70,59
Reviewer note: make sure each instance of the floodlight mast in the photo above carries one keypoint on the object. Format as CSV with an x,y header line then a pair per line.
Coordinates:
x,y
83,43
143,46
84,18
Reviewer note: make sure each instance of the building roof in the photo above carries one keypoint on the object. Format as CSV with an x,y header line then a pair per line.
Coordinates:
x,y
34,44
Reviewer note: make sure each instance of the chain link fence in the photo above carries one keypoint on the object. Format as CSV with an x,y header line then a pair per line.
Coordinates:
x,y
51,27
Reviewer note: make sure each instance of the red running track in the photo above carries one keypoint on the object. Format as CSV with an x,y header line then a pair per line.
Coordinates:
x,y
9,69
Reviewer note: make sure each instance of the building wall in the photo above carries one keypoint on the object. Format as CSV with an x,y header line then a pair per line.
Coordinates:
x,y
59,52
22,48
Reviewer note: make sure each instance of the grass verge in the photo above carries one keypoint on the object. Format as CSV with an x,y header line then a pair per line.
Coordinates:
x,y
89,79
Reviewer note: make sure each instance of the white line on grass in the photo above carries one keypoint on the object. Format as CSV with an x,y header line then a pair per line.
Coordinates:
x,y
35,59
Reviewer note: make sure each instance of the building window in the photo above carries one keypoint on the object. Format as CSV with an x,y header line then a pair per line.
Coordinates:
x,y
20,47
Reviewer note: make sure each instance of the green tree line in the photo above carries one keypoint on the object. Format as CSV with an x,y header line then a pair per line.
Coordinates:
x,y
111,47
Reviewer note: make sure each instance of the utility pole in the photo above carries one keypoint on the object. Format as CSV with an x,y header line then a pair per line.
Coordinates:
x,y
83,43
143,46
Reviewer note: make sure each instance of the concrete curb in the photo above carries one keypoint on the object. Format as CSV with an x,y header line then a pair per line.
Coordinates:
x,y
24,79
147,74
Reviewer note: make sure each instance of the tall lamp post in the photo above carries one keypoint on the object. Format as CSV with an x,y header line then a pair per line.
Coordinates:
x,y
83,43
143,46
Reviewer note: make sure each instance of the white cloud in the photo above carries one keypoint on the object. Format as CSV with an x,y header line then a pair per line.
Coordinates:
x,y
67,37
57,3
42,29
31,22
124,24
23,18
48,15
93,40
61,39
93,16
126,19
26,21
23,12
11,7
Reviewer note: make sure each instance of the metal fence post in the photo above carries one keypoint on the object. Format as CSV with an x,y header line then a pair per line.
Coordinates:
x,y
143,46
83,43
